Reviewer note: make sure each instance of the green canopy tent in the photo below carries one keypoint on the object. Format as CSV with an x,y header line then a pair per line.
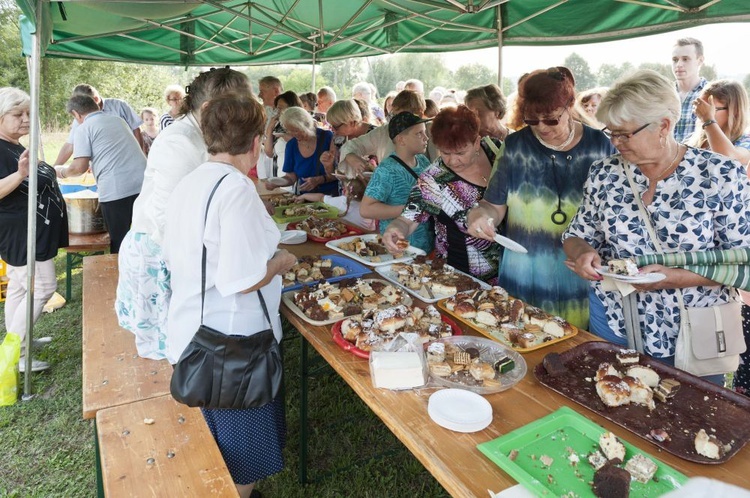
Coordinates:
x,y
243,32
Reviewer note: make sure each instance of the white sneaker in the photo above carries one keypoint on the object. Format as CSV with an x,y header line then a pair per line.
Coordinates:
x,y
36,365
41,341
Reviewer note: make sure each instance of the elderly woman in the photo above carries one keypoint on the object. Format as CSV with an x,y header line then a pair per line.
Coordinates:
x,y
587,103
488,102
143,289
306,155
345,118
51,223
447,190
674,182
536,191
174,95
722,109
242,262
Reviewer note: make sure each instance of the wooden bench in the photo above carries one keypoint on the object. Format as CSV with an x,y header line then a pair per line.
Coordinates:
x,y
121,390
175,455
113,373
82,243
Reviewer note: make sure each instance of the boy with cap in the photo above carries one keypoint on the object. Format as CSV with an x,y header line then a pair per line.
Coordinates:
x,y
395,176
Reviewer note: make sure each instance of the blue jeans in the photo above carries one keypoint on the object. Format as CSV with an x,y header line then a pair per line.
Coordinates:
x,y
600,328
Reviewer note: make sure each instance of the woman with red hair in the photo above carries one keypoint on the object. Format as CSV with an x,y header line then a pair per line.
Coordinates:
x,y
448,189
537,190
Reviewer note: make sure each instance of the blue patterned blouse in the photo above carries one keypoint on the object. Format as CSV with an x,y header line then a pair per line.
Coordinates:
x,y
702,205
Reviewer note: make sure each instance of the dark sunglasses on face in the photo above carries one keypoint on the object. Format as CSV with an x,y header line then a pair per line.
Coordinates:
x,y
548,122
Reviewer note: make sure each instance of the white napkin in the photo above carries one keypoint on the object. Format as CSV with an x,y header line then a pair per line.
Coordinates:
x,y
612,284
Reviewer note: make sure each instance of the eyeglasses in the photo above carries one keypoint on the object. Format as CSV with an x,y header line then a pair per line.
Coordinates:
x,y
721,108
548,122
336,127
174,99
623,137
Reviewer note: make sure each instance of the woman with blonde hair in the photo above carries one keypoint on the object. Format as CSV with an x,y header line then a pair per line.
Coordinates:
x,y
345,118
722,109
174,95
587,103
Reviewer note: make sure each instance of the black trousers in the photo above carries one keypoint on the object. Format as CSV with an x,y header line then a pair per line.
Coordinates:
x,y
118,215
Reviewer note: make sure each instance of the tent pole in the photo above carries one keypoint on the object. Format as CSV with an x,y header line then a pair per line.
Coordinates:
x,y
314,54
33,161
499,48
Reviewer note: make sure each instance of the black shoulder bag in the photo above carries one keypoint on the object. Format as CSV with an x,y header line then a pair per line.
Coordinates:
x,y
217,370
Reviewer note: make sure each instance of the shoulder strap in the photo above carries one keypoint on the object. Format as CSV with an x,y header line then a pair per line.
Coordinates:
x,y
406,166
498,151
318,150
203,256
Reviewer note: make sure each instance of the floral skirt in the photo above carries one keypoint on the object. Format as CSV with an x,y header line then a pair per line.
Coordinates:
x,y
143,294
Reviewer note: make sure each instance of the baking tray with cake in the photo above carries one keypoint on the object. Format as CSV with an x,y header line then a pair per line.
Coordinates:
x,y
369,249
475,364
279,200
325,303
550,457
324,230
298,212
508,320
687,416
429,280
330,268
374,328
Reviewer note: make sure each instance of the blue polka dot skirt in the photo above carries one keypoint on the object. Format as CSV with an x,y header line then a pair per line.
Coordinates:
x,y
251,441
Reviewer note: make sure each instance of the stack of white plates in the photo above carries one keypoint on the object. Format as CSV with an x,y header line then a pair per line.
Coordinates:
x,y
293,237
459,410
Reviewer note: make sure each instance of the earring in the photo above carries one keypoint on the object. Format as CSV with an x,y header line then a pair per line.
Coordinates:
x,y
663,141
476,153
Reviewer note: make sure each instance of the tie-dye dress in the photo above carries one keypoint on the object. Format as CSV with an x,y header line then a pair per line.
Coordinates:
x,y
533,180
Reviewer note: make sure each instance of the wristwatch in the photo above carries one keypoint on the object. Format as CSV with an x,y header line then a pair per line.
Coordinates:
x,y
709,123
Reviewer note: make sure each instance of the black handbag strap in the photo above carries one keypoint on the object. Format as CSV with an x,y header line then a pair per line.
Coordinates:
x,y
203,261
406,166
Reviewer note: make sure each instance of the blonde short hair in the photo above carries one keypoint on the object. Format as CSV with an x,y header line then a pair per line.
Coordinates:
x,y
643,97
344,111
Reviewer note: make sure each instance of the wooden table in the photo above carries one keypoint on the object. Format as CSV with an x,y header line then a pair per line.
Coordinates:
x,y
96,243
452,457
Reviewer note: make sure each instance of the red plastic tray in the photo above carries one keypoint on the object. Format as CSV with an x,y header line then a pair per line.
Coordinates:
x,y
348,346
351,232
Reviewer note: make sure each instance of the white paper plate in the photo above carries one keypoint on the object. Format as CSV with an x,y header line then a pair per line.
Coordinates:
x,y
459,410
643,278
384,259
293,237
510,244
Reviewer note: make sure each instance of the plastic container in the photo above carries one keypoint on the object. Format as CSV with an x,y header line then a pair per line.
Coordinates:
x,y
3,280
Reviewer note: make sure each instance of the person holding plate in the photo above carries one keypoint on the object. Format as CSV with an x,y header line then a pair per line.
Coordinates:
x,y
697,200
536,191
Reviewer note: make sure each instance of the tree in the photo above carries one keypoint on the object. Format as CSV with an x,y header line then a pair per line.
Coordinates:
x,y
473,75
609,73
663,69
708,72
385,71
342,75
300,81
585,79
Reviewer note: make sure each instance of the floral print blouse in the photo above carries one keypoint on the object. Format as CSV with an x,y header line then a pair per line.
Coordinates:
x,y
702,205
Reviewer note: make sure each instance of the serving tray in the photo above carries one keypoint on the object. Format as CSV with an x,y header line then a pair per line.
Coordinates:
x,y
288,299
498,336
326,212
348,346
558,435
409,253
387,272
353,270
352,230
698,404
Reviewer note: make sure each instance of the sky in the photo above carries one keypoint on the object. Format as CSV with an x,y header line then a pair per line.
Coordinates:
x,y
724,46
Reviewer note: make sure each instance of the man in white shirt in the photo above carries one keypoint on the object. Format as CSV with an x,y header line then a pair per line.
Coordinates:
x,y
115,107
269,87
326,98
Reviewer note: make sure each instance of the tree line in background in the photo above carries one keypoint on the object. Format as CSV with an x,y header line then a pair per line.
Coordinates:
x,y
143,85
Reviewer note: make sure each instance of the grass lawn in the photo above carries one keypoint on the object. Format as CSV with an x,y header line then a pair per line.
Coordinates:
x,y
48,449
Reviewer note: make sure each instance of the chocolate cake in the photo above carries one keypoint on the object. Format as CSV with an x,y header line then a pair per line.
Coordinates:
x,y
610,481
554,365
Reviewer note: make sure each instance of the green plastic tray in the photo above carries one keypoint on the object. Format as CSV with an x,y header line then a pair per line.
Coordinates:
x,y
553,435
279,217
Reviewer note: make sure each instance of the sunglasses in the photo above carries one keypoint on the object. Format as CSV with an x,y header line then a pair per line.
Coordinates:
x,y
548,122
